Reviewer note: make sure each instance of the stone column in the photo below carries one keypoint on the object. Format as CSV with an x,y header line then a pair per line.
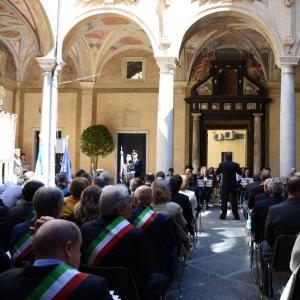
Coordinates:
x,y
196,141
164,141
48,119
287,119
86,111
257,143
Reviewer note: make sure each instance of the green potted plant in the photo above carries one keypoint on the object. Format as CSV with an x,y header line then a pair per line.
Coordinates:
x,y
96,141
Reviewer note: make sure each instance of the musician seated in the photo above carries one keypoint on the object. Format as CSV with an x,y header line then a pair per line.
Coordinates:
x,y
205,184
157,226
53,276
111,241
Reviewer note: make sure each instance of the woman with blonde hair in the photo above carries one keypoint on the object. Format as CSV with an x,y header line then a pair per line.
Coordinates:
x,y
161,203
205,183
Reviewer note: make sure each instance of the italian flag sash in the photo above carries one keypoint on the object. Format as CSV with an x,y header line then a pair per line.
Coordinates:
x,y
23,247
31,216
106,239
61,281
145,218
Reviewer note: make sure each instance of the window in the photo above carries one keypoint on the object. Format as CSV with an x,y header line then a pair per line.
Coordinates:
x,y
134,68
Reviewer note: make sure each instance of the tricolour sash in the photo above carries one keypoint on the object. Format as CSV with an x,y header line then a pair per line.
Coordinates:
x,y
61,281
108,237
145,218
23,247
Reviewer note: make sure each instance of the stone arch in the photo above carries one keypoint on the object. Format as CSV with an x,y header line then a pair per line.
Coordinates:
x,y
117,11
46,37
264,27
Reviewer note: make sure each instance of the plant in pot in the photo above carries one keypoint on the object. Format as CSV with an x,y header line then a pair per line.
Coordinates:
x,y
96,141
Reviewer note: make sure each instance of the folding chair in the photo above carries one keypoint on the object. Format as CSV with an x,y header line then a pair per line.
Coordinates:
x,y
281,258
254,249
119,279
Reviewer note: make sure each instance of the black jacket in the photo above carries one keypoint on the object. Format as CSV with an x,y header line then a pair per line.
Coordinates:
x,y
186,206
283,218
259,214
161,231
19,283
228,169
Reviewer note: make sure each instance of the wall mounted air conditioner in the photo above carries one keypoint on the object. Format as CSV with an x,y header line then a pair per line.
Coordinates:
x,y
219,137
229,135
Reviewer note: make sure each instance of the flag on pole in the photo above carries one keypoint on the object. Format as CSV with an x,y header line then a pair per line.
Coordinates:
x,y
121,164
39,168
65,165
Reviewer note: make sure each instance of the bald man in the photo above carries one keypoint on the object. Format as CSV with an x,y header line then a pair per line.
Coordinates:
x,y
56,245
158,227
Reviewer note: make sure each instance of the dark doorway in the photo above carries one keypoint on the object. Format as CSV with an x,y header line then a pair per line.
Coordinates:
x,y
129,142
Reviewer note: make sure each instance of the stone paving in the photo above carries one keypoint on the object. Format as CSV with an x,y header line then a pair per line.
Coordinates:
x,y
219,269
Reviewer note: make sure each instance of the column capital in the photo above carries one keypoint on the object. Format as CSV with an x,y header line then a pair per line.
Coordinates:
x,y
196,115
48,63
257,115
166,64
287,64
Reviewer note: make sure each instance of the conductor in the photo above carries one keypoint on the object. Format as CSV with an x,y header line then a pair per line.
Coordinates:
x,y
229,185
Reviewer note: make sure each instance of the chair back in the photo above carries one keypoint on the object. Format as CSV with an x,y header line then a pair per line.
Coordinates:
x,y
120,280
282,252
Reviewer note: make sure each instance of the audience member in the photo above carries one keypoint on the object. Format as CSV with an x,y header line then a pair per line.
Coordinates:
x,y
88,177
157,226
79,172
47,201
170,173
161,177
182,200
134,184
162,203
274,187
24,211
185,191
77,186
256,190
61,181
88,207
149,178
113,242
56,245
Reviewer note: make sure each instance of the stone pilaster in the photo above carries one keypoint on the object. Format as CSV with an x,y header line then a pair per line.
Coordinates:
x,y
196,141
257,143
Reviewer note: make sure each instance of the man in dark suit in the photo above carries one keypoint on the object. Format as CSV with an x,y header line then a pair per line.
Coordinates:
x,y
57,248
258,190
111,241
158,227
24,211
137,164
175,183
274,187
229,184
284,217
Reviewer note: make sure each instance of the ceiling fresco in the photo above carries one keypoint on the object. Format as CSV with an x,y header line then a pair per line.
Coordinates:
x,y
220,33
99,38
18,32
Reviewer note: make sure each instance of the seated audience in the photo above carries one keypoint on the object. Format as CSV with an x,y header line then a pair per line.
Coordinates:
x,y
77,186
111,241
162,203
5,228
149,178
88,207
185,191
274,187
79,173
256,190
88,177
61,181
157,226
170,173
161,177
284,217
47,201
24,211
56,245
134,184
182,200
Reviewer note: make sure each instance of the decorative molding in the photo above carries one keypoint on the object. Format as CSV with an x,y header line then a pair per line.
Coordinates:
x,y
97,2
227,1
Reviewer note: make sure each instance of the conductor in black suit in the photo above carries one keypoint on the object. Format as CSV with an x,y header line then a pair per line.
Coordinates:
x,y
229,185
